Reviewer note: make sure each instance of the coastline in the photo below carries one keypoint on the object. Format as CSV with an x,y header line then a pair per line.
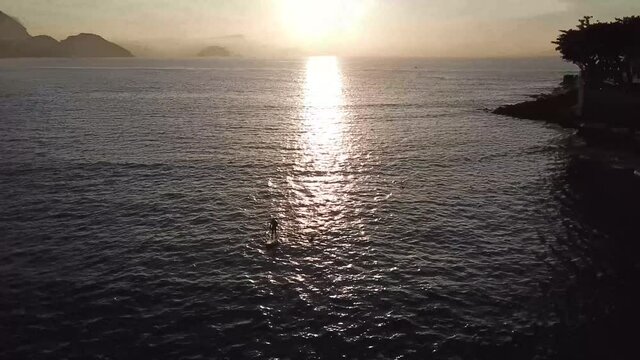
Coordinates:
x,y
557,108
608,131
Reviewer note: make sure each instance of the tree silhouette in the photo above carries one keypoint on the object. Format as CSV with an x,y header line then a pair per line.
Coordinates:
x,y
607,51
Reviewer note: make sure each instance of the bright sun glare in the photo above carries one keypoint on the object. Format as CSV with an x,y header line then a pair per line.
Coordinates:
x,y
323,117
313,21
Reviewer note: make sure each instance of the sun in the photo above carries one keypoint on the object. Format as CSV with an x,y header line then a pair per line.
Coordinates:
x,y
318,21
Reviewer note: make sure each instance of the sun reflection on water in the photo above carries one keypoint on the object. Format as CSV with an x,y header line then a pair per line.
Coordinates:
x,y
318,183
323,113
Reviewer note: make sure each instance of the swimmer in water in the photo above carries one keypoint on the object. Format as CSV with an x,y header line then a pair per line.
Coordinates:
x,y
273,226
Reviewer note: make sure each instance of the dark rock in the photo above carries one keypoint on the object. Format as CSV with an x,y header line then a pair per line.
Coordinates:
x,y
557,108
617,106
570,81
609,119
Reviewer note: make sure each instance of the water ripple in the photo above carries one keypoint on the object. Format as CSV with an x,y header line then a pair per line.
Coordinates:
x,y
135,210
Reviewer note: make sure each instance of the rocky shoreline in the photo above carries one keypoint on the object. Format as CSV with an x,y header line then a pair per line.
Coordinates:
x,y
556,108
607,133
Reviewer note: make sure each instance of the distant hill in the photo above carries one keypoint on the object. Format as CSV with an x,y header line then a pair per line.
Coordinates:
x,y
39,46
91,45
212,51
11,29
15,41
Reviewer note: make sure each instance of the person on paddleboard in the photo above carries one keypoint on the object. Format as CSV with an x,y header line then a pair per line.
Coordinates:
x,y
273,226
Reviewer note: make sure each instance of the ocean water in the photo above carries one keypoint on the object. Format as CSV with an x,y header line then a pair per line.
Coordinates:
x,y
135,197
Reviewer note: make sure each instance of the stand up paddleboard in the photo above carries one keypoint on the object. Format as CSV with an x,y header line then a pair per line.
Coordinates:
x,y
270,243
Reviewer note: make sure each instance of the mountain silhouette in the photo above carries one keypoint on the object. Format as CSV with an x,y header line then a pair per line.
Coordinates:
x,y
15,41
11,29
91,45
214,51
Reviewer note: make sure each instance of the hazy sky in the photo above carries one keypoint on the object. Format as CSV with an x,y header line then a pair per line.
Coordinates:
x,y
437,28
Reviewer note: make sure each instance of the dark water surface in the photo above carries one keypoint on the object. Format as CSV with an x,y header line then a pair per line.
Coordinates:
x,y
135,197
